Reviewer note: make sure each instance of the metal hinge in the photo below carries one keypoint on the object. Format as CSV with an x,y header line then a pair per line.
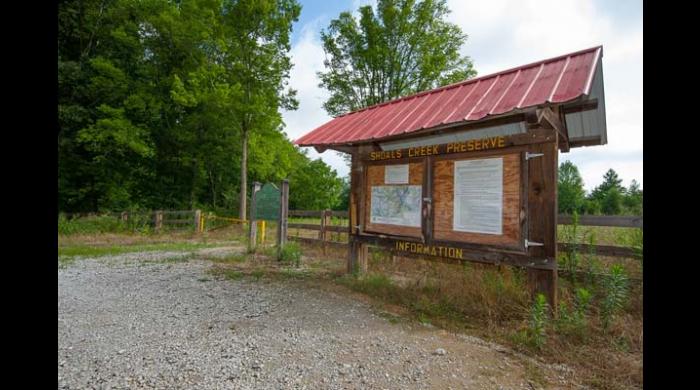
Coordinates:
x,y
532,243
427,200
529,155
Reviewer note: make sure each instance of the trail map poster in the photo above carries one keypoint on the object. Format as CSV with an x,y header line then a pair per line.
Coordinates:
x,y
396,205
478,196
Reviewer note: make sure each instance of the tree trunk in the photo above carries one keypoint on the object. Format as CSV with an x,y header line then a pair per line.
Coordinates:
x,y
244,177
193,186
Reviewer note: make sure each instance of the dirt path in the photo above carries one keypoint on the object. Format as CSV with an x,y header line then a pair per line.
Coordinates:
x,y
159,320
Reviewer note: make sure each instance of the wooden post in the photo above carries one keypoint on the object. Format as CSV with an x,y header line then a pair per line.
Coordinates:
x,y
252,225
125,216
358,251
197,221
159,220
323,234
282,222
262,231
542,217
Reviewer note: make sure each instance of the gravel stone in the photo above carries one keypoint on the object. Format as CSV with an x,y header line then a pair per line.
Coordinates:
x,y
130,321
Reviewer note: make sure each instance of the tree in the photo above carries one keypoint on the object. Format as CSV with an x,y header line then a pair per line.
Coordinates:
x,y
609,193
257,57
344,200
406,47
610,180
314,186
158,100
633,199
612,202
571,195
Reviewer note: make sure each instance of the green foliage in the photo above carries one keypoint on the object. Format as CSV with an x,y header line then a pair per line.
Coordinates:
x,y
156,100
633,199
232,274
591,266
571,195
314,187
344,198
609,198
539,316
291,253
90,225
612,202
609,194
573,322
615,289
405,47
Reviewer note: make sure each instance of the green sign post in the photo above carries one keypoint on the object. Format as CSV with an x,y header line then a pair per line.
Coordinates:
x,y
267,203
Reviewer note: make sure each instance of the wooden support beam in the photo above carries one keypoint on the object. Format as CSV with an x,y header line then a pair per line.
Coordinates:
x,y
587,106
549,118
357,255
542,218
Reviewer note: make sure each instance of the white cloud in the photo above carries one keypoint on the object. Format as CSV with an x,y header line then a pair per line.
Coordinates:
x,y
508,33
307,57
504,34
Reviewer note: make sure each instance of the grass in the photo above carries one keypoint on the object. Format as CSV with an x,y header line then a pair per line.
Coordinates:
x,y
493,303
229,259
110,250
484,301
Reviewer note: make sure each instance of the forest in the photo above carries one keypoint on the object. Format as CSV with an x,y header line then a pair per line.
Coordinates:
x,y
177,104
160,100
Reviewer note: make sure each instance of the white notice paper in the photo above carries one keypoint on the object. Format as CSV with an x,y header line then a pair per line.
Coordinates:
x,y
478,196
396,174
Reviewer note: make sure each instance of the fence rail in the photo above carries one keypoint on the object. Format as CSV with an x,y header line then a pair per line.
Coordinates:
x,y
583,220
602,220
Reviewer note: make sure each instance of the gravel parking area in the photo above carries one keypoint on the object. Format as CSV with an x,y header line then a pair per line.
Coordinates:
x,y
156,320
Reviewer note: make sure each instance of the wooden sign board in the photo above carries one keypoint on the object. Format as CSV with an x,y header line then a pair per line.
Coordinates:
x,y
490,200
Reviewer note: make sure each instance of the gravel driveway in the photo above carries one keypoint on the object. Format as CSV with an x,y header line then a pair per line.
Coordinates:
x,y
131,321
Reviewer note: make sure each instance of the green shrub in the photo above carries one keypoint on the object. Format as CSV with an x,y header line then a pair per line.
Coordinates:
x,y
591,260
291,253
573,322
90,225
616,288
538,320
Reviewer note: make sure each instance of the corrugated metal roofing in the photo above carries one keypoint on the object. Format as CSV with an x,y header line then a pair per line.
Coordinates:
x,y
555,80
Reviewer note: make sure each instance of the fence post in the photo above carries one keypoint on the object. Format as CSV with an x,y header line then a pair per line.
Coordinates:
x,y
159,220
252,219
324,234
282,222
197,221
125,216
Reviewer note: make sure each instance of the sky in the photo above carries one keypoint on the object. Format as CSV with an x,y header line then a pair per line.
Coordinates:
x,y
504,34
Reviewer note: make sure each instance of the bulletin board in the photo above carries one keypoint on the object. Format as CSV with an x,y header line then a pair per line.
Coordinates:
x,y
507,193
380,214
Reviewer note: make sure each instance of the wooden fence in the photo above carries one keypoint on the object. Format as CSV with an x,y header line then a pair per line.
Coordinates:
x,y
584,220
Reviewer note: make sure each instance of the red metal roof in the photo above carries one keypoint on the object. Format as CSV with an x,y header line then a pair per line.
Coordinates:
x,y
555,80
